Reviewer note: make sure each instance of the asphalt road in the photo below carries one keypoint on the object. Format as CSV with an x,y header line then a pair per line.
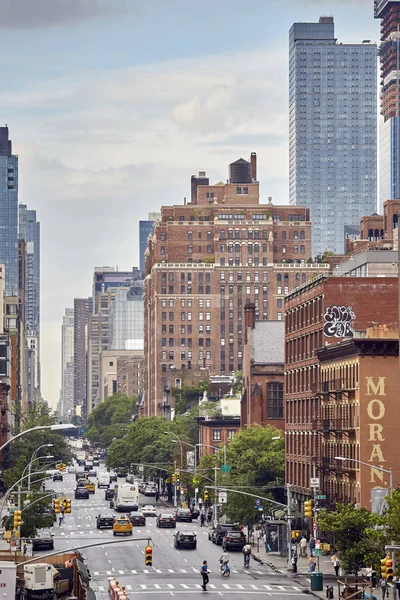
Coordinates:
x,y
174,572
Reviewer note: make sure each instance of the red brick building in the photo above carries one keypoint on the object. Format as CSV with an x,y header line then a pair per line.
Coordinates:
x,y
359,416
263,372
323,312
205,260
216,432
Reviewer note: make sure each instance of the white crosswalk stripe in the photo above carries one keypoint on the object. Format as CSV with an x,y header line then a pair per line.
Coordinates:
x,y
191,587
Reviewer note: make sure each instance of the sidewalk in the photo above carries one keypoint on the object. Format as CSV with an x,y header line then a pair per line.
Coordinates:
x,y
280,565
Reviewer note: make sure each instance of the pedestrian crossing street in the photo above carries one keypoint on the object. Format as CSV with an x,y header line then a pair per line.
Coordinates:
x,y
116,572
230,587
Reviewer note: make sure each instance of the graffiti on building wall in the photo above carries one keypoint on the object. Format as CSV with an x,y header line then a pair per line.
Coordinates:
x,y
338,321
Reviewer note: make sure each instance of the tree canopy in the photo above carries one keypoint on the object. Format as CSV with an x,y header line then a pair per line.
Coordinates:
x,y
110,419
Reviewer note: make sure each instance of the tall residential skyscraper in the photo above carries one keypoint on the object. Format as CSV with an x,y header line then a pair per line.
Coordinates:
x,y
29,231
9,213
389,50
82,308
67,363
333,131
145,229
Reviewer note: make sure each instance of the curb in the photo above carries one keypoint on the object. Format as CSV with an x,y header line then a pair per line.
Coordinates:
x,y
265,562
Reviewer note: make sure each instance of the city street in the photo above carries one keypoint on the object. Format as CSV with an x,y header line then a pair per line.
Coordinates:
x,y
174,572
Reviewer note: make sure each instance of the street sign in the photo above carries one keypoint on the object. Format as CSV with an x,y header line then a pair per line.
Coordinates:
x,y
258,502
323,497
318,552
314,482
223,497
226,468
141,468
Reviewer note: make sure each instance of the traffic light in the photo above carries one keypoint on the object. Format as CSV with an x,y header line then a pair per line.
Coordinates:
x,y
387,569
308,509
174,478
148,556
68,506
206,495
178,476
56,505
17,519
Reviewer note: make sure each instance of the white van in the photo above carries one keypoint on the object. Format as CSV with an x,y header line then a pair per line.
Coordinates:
x,y
126,497
103,480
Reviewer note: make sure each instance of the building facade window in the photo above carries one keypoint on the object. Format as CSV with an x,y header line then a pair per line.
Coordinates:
x,y
274,400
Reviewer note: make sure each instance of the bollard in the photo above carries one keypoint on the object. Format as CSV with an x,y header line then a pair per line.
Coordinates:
x,y
329,591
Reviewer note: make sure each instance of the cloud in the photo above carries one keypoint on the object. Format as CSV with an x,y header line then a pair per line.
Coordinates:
x,y
41,14
110,146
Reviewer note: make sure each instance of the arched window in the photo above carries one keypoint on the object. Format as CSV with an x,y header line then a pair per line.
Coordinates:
x,y
279,277
286,278
237,247
395,221
303,277
190,235
256,248
370,234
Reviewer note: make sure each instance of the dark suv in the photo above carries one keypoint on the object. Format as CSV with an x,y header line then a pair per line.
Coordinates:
x,y
183,514
233,540
217,533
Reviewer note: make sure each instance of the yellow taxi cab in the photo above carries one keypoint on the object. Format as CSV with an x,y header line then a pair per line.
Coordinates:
x,y
122,525
90,486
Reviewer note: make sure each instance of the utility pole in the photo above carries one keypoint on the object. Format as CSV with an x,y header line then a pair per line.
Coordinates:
x,y
289,525
175,500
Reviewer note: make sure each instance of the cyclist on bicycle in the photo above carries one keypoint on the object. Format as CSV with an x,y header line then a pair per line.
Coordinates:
x,y
246,554
224,560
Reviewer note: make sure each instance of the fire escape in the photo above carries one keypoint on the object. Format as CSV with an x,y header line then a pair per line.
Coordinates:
x,y
335,422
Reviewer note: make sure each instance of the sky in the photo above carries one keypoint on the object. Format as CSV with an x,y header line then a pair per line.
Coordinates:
x,y
112,105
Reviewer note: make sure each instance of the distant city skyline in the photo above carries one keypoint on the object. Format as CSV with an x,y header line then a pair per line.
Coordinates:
x,y
106,132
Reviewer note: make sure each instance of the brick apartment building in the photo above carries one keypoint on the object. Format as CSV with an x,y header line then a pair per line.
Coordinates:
x,y
205,260
359,406
262,400
319,314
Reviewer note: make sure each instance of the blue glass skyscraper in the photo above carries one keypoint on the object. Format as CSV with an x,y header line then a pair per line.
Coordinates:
x,y
145,229
333,131
9,213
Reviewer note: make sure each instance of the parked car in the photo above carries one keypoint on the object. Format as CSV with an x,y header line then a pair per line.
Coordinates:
x,y
122,525
81,493
105,521
58,477
113,477
233,540
185,539
149,510
183,514
43,541
109,495
166,520
150,491
138,518
219,531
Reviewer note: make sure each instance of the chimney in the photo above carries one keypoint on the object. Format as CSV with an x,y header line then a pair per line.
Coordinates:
x,y
253,160
249,318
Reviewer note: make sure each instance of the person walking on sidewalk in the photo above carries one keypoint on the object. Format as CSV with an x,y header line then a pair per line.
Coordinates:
x,y
303,547
312,563
204,573
384,588
312,544
294,563
336,564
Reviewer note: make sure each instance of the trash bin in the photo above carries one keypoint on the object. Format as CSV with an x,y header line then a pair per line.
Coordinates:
x,y
317,581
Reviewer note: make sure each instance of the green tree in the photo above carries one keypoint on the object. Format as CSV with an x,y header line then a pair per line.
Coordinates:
x,y
110,419
253,446
354,539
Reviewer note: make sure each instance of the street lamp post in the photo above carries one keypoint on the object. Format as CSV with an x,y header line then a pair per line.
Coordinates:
x,y
360,462
33,457
55,427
